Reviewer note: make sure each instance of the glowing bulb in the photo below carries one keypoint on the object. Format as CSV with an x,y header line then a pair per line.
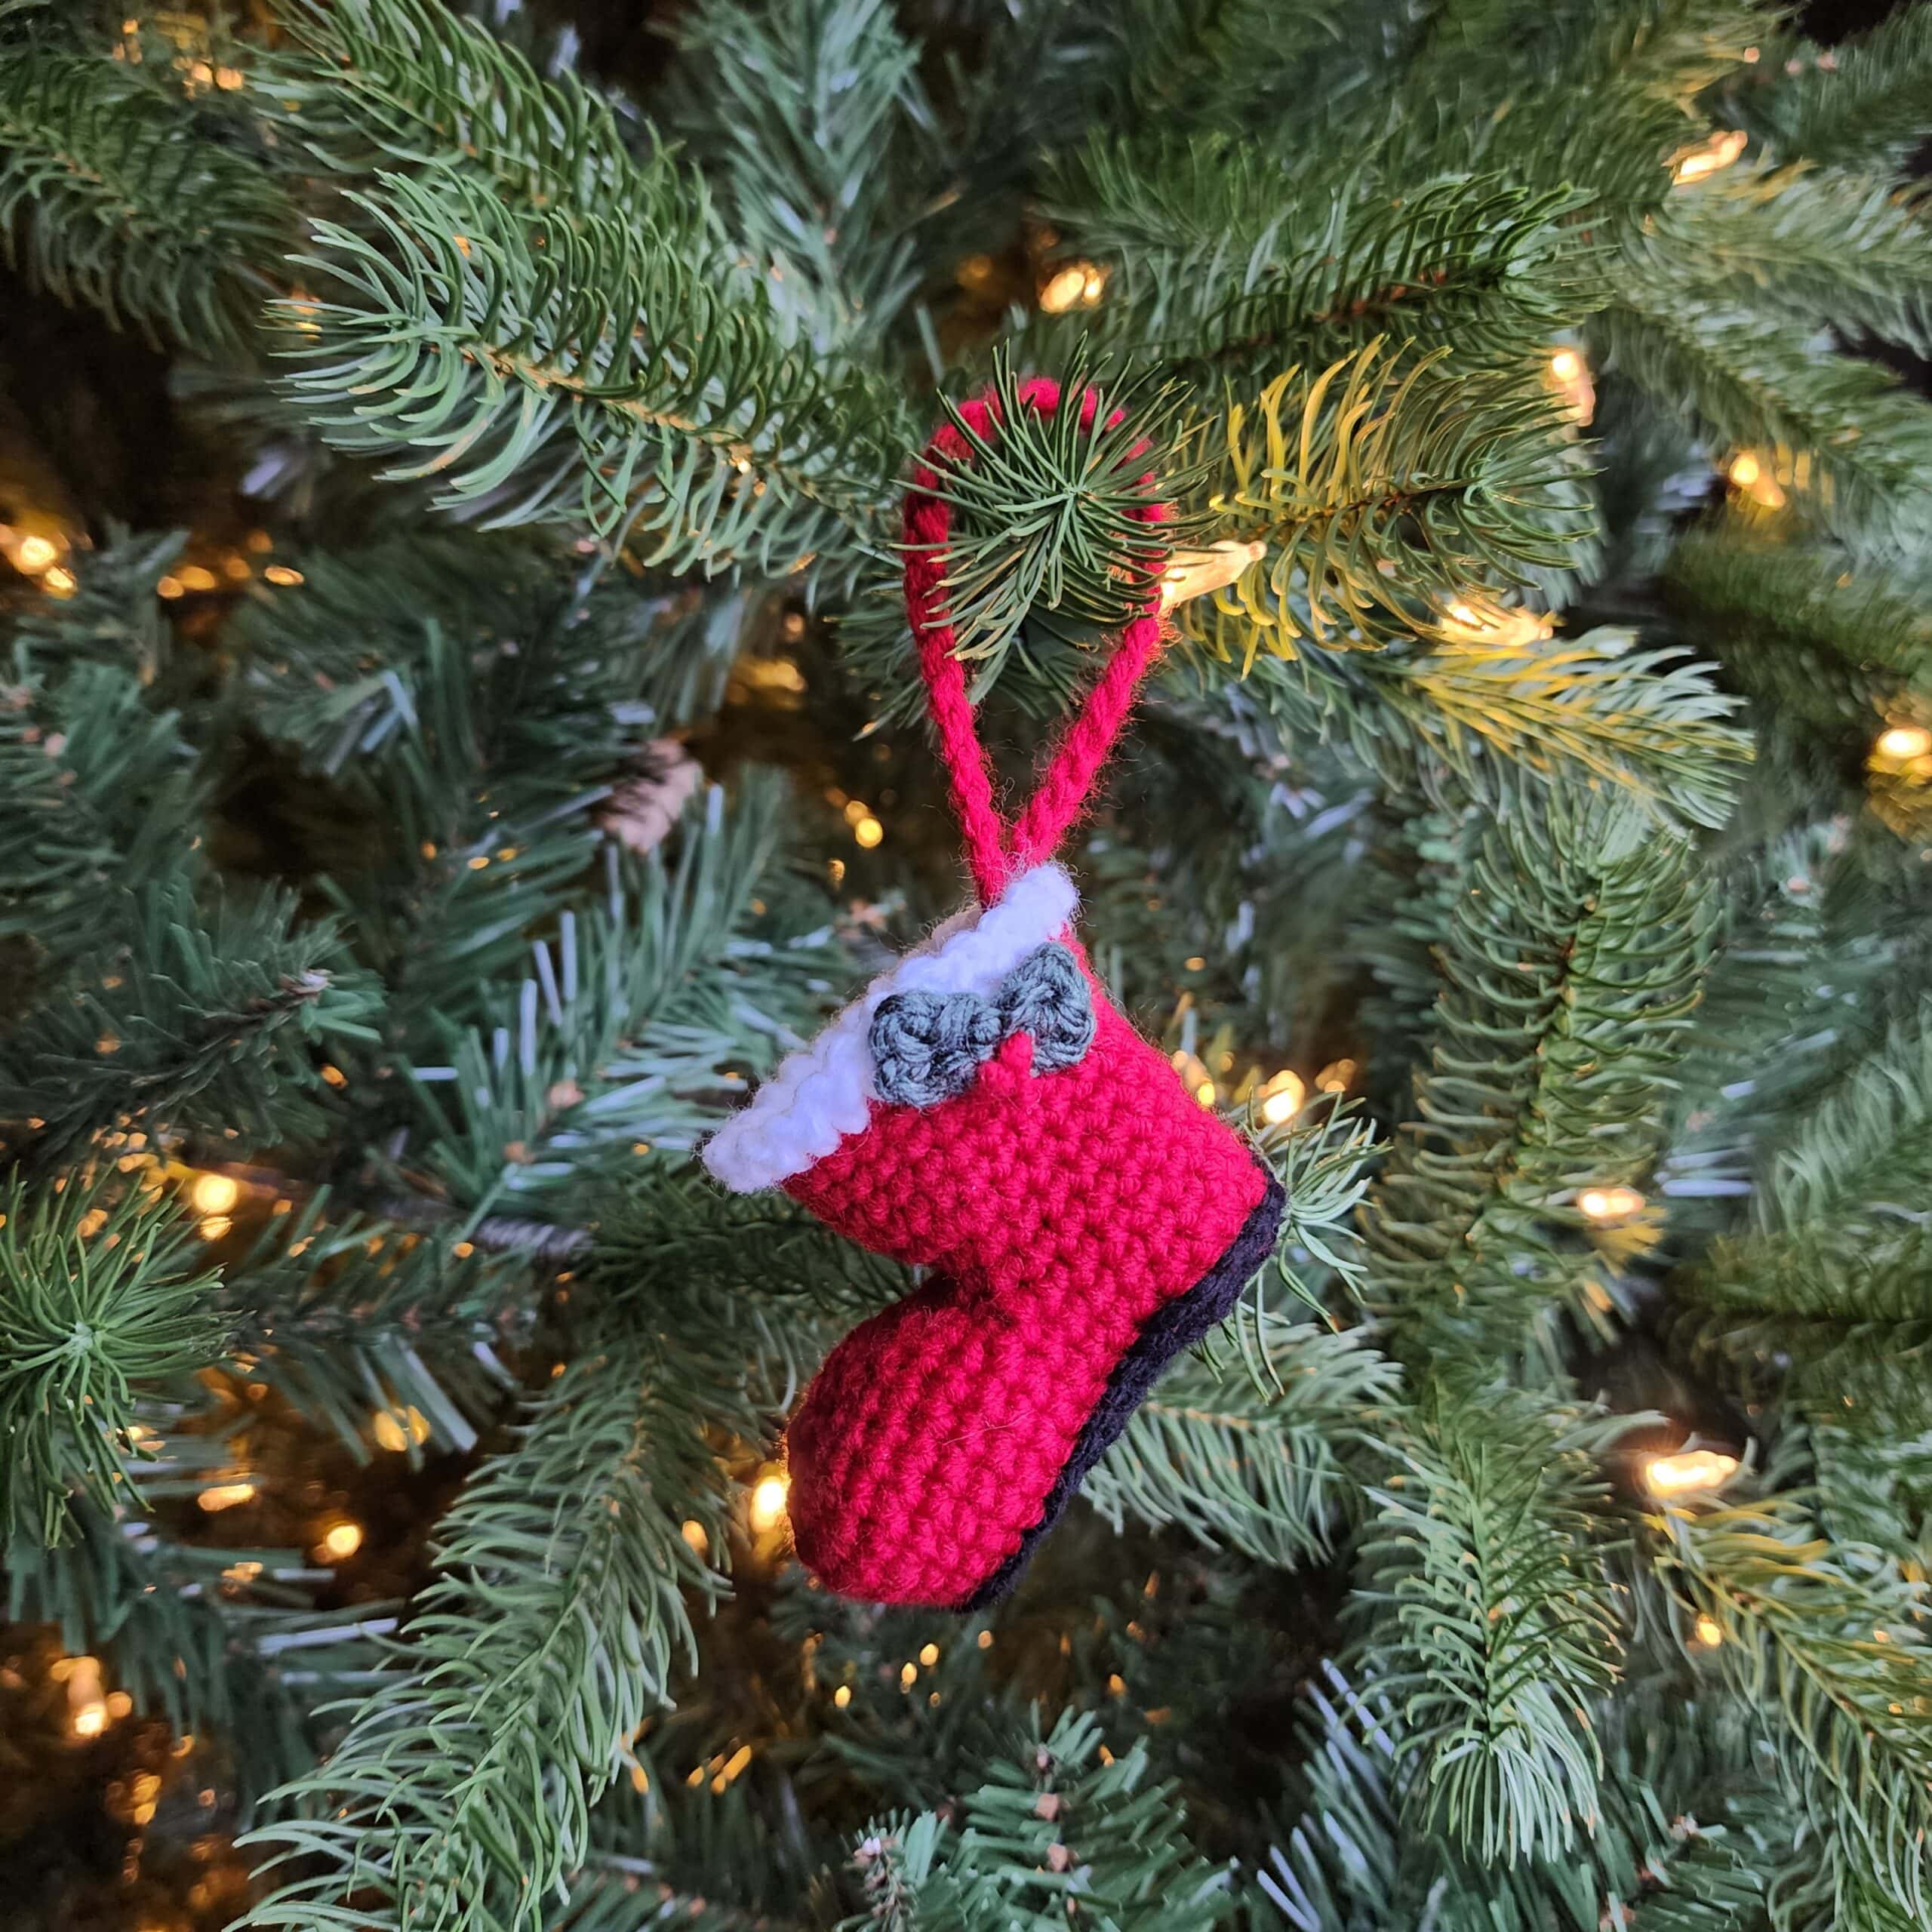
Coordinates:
x,y
1609,1203
1903,741
196,577
909,1675
282,573
170,587
695,1535
929,1656
1710,1632
1334,1078
1750,477
1689,1470
1080,285
1281,1098
1192,573
842,1696
226,1496
58,582
215,1194
340,1541
1707,158
1569,377
388,1432
90,1720
768,1500
868,831
33,554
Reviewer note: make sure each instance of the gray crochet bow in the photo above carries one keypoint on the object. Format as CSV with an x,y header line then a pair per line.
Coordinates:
x,y
928,1047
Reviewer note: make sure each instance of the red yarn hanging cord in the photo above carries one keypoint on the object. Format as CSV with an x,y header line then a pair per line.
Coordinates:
x,y
994,852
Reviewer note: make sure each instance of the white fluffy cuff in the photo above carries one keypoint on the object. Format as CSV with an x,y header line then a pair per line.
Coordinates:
x,y
823,1092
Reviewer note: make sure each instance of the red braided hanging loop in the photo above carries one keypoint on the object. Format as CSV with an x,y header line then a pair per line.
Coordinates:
x,y
995,852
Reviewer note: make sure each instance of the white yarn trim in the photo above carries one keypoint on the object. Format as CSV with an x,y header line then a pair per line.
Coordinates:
x,y
821,1092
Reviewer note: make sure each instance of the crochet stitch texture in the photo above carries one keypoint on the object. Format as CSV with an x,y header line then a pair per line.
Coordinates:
x,y
1083,1220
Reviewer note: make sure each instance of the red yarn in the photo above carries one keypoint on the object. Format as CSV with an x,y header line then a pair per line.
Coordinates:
x,y
1060,1212
1072,767
1082,1224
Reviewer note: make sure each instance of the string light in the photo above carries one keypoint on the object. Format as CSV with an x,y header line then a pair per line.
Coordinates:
x,y
929,1655
1079,285
59,582
396,1429
1688,1470
1464,623
1750,478
842,1696
87,1711
695,1535
1710,1632
340,1541
1902,743
1282,1097
215,1194
868,832
220,1496
1192,573
34,554
768,1495
1706,158
170,587
282,573
1609,1203
1334,1078
1569,377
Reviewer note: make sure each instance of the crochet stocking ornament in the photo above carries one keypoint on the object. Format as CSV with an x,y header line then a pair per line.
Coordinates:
x,y
982,1111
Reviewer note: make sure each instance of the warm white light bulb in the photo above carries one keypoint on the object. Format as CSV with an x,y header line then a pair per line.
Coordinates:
x,y
215,1194
1281,1098
1609,1203
340,1541
768,1497
1903,741
1687,1471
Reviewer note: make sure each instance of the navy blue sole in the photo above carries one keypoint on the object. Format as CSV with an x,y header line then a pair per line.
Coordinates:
x,y
1176,1325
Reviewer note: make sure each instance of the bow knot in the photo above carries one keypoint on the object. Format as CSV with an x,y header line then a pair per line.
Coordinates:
x,y
929,1047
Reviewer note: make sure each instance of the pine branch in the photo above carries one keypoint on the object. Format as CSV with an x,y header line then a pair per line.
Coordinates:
x,y
99,1298
1262,1470
1050,1835
633,1029
1050,515
558,1613
354,1318
408,83
1819,247
1828,1283
211,1013
1495,1626
1866,105
95,786
1387,494
116,193
589,367
1824,1645
1756,383
1593,709
1571,967
1854,627
803,110
214,1640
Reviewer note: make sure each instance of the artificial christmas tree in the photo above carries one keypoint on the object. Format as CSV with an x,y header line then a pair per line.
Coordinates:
x,y
432,434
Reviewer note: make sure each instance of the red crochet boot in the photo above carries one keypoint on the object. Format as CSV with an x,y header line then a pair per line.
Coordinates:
x,y
983,1111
